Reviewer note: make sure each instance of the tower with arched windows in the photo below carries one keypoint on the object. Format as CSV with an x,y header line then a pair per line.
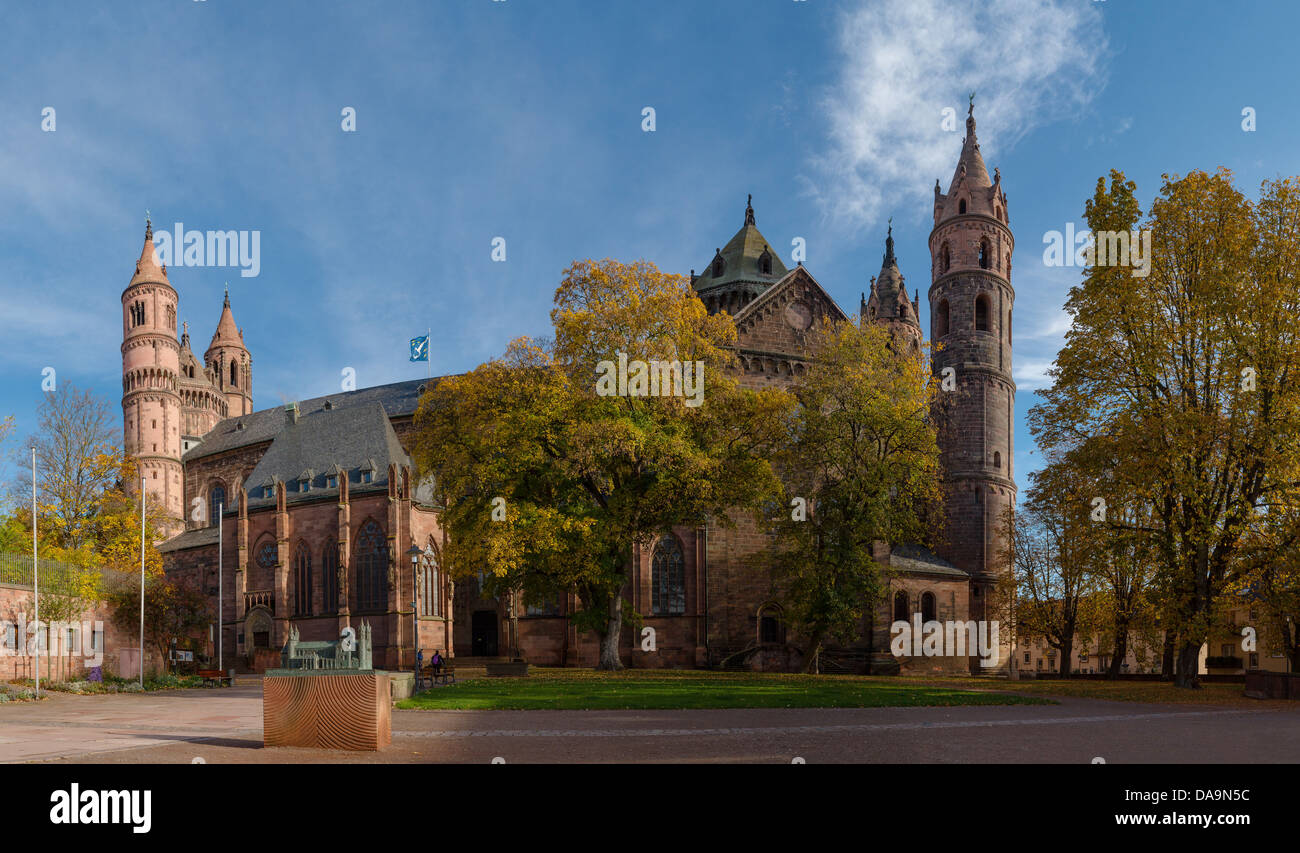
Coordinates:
x,y
970,315
230,364
151,401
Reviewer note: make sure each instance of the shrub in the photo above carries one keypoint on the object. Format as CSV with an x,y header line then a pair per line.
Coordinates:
x,y
1223,662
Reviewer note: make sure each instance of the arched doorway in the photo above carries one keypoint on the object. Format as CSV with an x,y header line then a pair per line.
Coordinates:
x,y
257,629
483,633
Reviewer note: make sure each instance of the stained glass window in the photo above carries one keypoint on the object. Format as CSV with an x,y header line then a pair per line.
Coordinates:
x,y
372,567
302,581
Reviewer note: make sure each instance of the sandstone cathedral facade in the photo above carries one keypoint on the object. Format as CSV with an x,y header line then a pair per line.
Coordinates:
x,y
324,521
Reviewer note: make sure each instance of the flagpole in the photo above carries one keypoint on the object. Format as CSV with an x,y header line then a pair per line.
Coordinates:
x,y
142,500
36,579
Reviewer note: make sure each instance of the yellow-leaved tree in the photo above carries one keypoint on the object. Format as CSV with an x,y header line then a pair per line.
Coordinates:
x,y
556,459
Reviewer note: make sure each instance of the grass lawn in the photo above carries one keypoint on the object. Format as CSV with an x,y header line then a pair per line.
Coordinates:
x,y
573,689
1161,692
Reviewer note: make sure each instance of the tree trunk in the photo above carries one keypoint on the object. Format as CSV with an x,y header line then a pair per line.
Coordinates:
x,y
1067,648
1167,657
1121,650
814,652
1188,658
609,638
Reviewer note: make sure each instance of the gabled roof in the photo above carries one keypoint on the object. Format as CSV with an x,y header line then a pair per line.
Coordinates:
x,y
354,438
741,259
798,274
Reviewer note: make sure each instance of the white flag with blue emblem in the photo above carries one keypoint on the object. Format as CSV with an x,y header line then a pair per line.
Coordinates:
x,y
420,348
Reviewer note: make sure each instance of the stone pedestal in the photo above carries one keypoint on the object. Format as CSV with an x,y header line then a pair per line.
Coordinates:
x,y
347,710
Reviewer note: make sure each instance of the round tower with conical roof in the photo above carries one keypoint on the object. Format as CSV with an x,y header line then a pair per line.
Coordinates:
x,y
230,363
970,325
151,403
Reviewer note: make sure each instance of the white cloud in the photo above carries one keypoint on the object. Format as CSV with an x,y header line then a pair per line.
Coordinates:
x,y
904,61
1031,375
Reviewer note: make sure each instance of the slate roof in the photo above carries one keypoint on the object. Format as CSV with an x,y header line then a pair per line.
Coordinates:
x,y
342,441
190,539
915,559
397,399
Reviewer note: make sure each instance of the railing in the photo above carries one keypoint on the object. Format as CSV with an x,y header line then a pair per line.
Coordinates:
x,y
16,569
260,597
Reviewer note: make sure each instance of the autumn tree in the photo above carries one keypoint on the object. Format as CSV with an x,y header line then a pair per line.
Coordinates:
x,y
172,609
1188,373
1052,546
552,475
860,468
1272,579
76,462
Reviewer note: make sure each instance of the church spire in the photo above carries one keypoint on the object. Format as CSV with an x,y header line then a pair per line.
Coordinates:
x,y
890,260
749,210
147,268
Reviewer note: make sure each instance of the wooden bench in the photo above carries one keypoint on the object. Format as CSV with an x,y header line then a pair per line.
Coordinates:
x,y
215,677
446,674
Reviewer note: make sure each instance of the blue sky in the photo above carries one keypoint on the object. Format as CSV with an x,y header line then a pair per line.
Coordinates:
x,y
523,119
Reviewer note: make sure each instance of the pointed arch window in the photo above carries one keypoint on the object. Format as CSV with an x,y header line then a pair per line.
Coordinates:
x,y
301,581
372,567
765,262
329,575
982,313
945,259
718,264
941,319
961,206
997,459
668,578
430,600
216,503
928,609
234,382
986,254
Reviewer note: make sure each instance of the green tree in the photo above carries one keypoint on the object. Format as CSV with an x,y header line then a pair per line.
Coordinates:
x,y
76,462
860,468
1188,374
549,480
172,610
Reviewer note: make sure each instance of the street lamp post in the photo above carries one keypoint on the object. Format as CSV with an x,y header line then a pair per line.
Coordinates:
x,y
415,554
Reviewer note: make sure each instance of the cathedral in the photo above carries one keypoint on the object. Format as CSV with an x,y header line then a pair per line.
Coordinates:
x,y
316,518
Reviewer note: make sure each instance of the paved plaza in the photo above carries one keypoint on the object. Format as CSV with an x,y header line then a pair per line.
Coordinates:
x,y
225,726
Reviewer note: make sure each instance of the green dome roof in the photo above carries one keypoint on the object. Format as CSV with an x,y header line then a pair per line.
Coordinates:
x,y
747,257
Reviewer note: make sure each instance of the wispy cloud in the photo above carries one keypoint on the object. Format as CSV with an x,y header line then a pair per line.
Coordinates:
x,y
904,61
